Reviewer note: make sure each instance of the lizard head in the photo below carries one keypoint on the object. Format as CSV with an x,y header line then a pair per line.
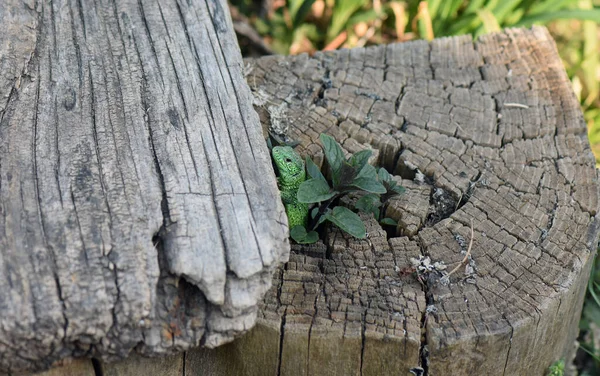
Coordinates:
x,y
289,164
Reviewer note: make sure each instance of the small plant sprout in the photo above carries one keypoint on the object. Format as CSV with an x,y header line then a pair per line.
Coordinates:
x,y
557,368
353,174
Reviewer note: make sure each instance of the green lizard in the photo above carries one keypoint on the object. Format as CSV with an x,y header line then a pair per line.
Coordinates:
x,y
291,174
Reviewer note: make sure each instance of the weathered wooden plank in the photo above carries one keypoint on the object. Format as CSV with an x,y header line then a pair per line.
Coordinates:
x,y
136,191
487,132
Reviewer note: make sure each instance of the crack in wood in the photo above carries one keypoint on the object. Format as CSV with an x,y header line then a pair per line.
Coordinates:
x,y
93,96
473,181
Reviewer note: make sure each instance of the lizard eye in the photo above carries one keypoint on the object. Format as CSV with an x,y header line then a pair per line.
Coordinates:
x,y
288,160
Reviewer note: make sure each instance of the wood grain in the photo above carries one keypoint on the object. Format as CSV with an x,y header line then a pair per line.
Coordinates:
x,y
136,190
487,132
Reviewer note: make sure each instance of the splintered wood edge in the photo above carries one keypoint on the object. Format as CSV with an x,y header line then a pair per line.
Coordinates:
x,y
136,200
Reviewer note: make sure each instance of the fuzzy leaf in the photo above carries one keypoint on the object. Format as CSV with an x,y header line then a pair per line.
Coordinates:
x,y
388,221
384,175
398,189
369,203
314,211
369,185
347,221
344,176
299,234
368,172
367,180
314,190
311,237
360,158
322,219
333,152
313,169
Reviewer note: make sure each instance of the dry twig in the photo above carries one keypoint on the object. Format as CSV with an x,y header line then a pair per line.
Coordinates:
x,y
466,258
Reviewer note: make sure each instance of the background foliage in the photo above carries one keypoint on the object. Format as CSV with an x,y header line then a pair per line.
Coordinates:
x,y
297,26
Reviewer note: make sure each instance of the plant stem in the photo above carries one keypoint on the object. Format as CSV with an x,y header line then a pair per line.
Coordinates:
x,y
322,208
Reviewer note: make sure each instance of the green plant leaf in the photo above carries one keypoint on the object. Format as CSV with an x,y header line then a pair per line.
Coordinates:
x,y
557,368
590,352
433,6
548,6
490,23
474,5
577,14
449,9
262,27
314,190
347,221
342,11
384,175
311,237
465,25
298,233
368,172
322,219
308,31
591,56
300,236
313,170
389,183
369,203
505,8
513,17
333,152
360,158
299,10
363,16
367,180
388,221
398,189
314,211
344,176
369,185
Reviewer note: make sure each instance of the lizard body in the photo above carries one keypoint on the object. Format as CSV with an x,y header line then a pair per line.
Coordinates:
x,y
292,173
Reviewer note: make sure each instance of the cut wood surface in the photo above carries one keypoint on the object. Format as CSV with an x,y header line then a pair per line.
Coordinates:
x,y
487,133
137,204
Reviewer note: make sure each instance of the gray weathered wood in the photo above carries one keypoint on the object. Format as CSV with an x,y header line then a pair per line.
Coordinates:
x,y
137,195
486,132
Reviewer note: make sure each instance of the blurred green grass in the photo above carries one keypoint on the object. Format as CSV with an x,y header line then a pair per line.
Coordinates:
x,y
297,26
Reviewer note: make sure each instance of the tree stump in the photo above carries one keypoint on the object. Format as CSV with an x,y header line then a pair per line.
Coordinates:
x,y
137,204
485,134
